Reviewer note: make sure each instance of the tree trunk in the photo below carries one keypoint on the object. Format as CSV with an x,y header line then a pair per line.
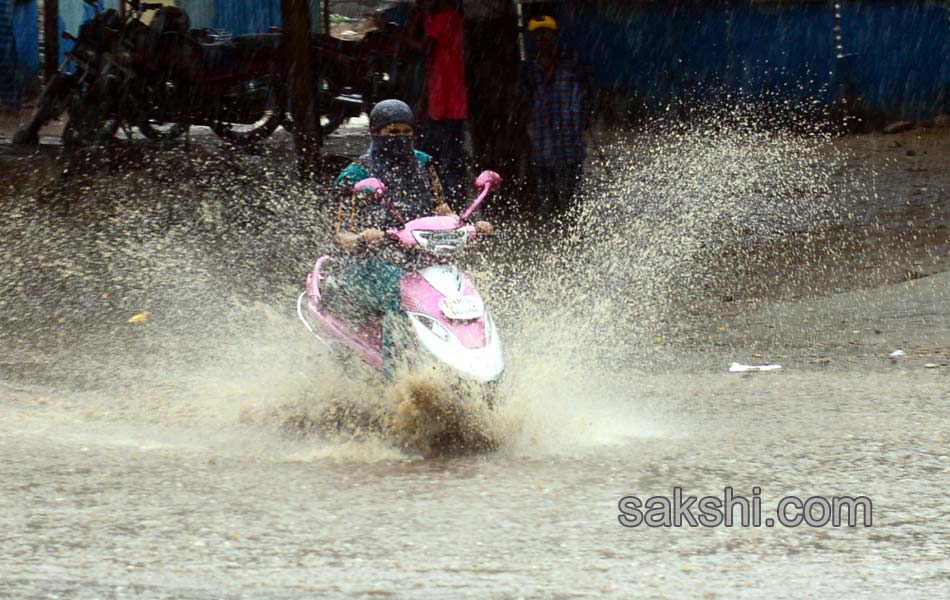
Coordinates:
x,y
296,17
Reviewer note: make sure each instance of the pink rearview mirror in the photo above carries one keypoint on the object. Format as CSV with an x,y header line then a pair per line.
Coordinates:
x,y
489,178
486,182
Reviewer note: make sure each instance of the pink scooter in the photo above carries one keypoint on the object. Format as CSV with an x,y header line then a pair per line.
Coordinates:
x,y
447,315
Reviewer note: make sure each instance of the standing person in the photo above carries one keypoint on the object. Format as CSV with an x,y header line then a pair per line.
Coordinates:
x,y
559,90
446,97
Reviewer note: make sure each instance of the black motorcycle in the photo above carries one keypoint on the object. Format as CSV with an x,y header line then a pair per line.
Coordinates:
x,y
162,78
85,61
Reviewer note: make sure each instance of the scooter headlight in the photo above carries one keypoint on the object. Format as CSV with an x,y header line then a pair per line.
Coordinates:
x,y
441,243
434,326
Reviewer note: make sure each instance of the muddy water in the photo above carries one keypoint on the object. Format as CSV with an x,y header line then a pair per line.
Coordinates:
x,y
119,509
189,456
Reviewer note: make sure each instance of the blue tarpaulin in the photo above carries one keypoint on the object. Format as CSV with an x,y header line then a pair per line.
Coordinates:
x,y
26,29
897,65
10,78
251,16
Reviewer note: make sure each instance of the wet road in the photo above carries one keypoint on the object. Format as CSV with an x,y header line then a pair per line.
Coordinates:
x,y
165,459
119,509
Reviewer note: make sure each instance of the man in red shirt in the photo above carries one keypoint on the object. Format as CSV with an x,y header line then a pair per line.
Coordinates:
x,y
446,98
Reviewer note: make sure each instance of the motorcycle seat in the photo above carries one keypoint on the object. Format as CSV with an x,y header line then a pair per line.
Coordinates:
x,y
346,47
254,45
235,53
220,57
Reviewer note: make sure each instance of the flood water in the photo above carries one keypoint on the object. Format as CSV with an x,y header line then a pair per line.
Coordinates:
x,y
119,509
182,457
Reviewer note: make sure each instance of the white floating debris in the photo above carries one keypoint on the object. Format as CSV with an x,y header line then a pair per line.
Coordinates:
x,y
897,353
931,366
740,368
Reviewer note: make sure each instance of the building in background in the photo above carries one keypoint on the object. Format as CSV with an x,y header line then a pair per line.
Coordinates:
x,y
887,56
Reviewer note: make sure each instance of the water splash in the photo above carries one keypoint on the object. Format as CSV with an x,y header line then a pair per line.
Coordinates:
x,y
216,251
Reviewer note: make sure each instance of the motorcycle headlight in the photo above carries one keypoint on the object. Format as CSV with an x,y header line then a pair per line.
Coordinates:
x,y
441,243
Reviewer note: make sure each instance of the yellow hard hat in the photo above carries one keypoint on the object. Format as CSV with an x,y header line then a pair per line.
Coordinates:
x,y
542,22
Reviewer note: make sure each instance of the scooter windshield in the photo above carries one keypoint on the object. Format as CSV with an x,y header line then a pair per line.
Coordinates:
x,y
441,243
441,236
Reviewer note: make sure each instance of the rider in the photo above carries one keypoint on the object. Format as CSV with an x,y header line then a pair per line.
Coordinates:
x,y
413,190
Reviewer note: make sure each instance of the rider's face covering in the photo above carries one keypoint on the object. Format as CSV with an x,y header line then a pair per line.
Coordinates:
x,y
394,148
392,158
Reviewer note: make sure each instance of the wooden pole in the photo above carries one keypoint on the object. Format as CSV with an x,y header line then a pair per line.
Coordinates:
x,y
50,38
296,17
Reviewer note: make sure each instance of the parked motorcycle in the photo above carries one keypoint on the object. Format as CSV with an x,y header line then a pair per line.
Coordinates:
x,y
356,74
86,59
446,312
162,78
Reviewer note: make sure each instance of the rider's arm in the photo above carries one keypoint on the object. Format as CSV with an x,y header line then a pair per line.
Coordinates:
x,y
352,214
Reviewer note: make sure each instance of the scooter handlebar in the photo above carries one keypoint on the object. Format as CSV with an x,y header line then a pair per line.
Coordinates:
x,y
370,184
404,236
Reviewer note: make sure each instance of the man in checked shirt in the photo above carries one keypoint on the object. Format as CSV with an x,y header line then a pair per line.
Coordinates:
x,y
559,90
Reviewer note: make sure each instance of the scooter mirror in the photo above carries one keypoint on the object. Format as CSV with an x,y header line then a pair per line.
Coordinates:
x,y
486,182
370,185
489,178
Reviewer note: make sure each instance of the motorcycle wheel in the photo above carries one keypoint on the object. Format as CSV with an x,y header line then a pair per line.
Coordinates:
x,y
158,131
328,123
241,134
330,119
85,125
54,99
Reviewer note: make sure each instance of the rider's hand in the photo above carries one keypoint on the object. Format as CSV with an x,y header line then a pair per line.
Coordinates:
x,y
348,240
372,235
484,227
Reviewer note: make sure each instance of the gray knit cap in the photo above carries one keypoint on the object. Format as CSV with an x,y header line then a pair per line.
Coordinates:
x,y
388,112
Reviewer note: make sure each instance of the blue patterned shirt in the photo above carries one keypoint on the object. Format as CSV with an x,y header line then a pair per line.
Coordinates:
x,y
559,103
